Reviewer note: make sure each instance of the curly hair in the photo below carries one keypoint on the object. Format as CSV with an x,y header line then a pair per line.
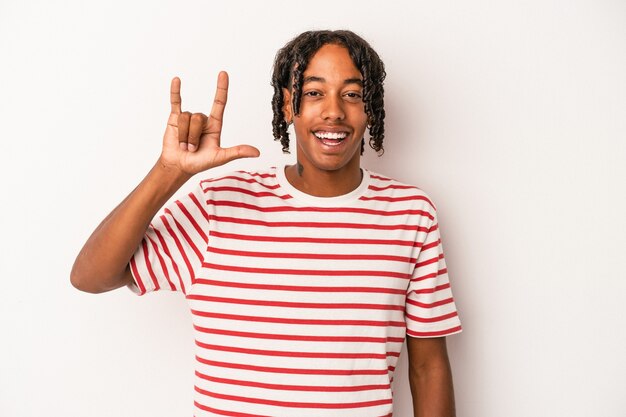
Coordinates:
x,y
288,72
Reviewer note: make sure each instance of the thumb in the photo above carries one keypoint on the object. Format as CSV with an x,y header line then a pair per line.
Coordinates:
x,y
238,152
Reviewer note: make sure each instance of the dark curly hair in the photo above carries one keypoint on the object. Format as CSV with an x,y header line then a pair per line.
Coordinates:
x,y
292,60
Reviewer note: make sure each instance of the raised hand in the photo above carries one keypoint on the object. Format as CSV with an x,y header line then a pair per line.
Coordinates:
x,y
191,142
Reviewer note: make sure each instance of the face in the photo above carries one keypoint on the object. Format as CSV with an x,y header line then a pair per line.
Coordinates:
x,y
332,117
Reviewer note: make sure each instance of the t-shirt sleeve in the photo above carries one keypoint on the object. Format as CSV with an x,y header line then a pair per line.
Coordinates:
x,y
430,308
173,247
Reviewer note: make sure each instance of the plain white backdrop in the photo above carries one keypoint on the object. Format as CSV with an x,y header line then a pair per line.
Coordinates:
x,y
510,114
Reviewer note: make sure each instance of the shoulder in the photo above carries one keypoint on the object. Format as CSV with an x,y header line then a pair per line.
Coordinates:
x,y
384,188
242,185
265,178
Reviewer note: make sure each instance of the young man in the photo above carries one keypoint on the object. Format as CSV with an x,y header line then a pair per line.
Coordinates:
x,y
304,280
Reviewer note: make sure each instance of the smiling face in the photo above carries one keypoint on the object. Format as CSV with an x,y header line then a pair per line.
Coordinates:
x,y
332,119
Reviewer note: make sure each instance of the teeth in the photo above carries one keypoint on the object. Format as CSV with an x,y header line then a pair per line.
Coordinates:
x,y
331,135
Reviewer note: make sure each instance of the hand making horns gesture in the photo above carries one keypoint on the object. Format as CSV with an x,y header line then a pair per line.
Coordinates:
x,y
192,141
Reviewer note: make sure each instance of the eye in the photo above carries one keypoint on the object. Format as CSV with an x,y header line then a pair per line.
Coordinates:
x,y
353,96
312,93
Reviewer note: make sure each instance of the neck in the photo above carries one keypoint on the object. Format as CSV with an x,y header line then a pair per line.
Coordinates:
x,y
321,183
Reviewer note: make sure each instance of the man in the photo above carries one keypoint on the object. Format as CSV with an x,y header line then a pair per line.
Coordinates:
x,y
302,280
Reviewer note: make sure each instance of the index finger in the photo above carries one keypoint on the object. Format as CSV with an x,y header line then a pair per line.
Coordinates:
x,y
175,99
221,96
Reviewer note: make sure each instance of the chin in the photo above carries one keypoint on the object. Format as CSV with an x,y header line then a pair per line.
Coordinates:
x,y
330,165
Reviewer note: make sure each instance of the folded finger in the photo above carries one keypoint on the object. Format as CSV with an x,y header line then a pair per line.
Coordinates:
x,y
196,125
183,129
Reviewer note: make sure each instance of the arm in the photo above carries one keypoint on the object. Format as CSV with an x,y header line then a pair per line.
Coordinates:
x,y
191,144
430,377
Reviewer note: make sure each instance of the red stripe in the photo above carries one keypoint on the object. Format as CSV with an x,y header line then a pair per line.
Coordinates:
x,y
432,290
169,255
273,209
193,222
429,305
258,194
378,177
284,387
324,225
308,338
434,333
166,273
297,304
432,319
299,288
200,206
431,245
325,241
334,256
153,277
296,371
310,272
429,261
397,199
223,412
133,267
181,251
294,404
393,187
292,354
247,180
259,174
431,275
184,233
286,320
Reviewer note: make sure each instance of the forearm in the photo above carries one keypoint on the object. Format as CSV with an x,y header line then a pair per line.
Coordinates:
x,y
102,263
430,377
432,390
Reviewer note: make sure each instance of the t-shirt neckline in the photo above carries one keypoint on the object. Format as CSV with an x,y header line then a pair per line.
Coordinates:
x,y
302,197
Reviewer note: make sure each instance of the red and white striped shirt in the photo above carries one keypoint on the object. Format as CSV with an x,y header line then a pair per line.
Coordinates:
x,y
300,304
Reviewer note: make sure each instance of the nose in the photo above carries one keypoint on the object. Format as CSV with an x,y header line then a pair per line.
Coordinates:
x,y
333,108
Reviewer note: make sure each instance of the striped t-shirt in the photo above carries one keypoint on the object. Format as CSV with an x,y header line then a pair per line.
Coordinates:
x,y
300,304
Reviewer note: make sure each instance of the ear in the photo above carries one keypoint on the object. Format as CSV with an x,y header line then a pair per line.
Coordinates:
x,y
287,106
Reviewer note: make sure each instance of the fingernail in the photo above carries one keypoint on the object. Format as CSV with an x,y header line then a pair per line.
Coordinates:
x,y
183,145
191,147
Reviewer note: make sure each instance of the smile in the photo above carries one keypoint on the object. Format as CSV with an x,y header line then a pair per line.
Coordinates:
x,y
331,138
331,135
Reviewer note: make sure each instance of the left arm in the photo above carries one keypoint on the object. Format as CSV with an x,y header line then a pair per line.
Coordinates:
x,y
430,377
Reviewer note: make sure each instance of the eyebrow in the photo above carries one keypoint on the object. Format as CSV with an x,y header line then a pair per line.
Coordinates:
x,y
313,78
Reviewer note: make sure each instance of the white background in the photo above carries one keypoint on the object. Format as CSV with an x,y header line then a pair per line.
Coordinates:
x,y
511,115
